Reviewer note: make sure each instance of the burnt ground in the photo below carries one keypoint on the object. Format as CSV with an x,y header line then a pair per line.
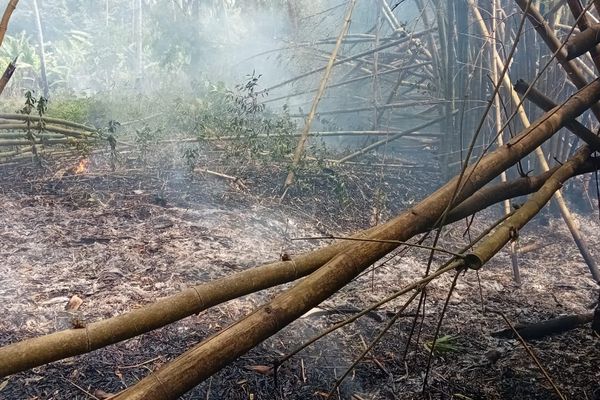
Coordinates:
x,y
121,239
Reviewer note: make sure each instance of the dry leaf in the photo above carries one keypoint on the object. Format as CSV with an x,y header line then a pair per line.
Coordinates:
x,y
101,394
3,384
261,369
74,303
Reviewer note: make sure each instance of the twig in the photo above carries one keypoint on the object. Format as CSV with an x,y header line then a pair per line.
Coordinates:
x,y
420,246
532,355
80,388
140,364
373,343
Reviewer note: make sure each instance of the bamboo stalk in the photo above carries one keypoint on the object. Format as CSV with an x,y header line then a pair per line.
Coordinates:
x,y
389,139
546,104
564,210
508,230
48,120
8,73
309,119
492,46
10,7
38,24
545,32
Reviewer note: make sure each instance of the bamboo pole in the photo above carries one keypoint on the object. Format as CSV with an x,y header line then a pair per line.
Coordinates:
x,y
47,120
542,101
560,201
508,230
309,119
352,58
546,33
10,7
194,366
38,24
492,43
8,73
389,139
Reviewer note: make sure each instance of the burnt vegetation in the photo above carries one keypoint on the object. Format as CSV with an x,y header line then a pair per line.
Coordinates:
x,y
300,199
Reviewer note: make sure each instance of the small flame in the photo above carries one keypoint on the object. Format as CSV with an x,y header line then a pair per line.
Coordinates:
x,y
82,166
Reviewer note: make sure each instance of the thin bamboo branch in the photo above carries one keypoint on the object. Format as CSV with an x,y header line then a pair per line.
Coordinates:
x,y
48,120
546,104
309,119
389,139
354,57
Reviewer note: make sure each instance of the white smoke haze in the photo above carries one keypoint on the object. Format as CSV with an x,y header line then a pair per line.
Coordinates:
x,y
99,50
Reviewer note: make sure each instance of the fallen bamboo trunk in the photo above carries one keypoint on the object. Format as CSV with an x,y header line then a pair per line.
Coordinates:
x,y
581,43
191,368
48,120
38,351
491,195
540,100
45,128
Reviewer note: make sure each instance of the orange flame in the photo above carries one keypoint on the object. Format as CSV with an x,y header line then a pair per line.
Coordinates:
x,y
82,166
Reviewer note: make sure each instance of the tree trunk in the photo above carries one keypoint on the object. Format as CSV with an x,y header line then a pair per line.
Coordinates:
x,y
38,24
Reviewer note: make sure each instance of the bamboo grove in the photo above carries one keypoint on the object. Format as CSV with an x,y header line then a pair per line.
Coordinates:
x,y
470,56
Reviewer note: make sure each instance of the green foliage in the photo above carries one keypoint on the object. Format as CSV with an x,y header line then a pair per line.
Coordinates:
x,y
215,112
82,110
444,344
28,63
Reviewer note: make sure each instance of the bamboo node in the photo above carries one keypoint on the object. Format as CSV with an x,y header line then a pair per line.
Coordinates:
x,y
473,261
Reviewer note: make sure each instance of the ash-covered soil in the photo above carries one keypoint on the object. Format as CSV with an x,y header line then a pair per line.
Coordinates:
x,y
122,239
